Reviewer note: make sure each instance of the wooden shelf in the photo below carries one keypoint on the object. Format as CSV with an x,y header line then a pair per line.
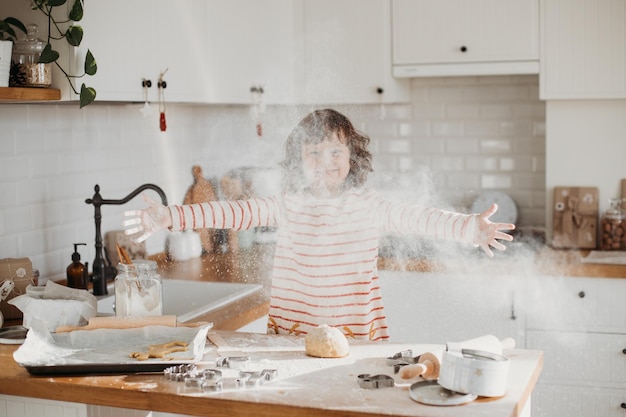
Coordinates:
x,y
29,94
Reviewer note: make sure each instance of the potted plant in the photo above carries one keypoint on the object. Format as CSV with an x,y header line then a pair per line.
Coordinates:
x,y
8,35
65,28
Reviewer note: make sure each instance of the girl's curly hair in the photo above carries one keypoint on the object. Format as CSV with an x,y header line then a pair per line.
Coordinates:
x,y
313,129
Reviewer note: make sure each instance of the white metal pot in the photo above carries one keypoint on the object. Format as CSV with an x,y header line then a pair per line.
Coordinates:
x,y
470,371
6,47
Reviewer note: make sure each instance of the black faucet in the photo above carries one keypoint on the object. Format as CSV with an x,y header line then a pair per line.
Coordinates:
x,y
99,277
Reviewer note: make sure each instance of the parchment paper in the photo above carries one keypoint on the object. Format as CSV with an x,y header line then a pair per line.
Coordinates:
x,y
106,346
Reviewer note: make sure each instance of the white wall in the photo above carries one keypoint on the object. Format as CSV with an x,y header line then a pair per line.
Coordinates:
x,y
470,133
586,147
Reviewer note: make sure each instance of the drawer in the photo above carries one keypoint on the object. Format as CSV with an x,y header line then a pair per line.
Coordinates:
x,y
578,358
567,401
578,304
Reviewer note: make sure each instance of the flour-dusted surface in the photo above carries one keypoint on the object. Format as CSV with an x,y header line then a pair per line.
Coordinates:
x,y
326,342
332,383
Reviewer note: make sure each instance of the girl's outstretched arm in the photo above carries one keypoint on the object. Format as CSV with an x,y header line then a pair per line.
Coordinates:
x,y
236,215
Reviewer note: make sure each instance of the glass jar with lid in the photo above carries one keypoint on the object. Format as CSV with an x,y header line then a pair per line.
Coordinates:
x,y
138,290
27,71
613,227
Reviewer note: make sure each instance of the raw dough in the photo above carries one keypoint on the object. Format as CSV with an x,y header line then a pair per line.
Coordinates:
x,y
160,351
326,342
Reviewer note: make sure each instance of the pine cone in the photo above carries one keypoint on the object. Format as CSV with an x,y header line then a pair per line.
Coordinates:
x,y
17,77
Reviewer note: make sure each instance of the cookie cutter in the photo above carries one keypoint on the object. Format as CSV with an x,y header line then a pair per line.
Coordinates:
x,y
402,358
213,379
368,381
232,362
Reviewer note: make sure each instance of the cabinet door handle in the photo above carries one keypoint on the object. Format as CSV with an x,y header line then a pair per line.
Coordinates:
x,y
624,351
623,405
146,83
463,48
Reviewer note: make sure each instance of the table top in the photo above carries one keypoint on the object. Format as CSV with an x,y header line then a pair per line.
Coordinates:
x,y
306,385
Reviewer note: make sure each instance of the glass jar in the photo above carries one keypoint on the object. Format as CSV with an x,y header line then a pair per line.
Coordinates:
x,y
138,290
613,227
27,71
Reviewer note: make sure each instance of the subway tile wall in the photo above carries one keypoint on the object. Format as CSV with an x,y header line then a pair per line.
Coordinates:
x,y
457,137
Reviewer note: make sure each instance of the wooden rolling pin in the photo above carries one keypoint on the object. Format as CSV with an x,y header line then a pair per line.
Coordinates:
x,y
429,363
128,323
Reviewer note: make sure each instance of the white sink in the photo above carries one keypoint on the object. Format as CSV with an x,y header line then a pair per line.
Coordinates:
x,y
188,300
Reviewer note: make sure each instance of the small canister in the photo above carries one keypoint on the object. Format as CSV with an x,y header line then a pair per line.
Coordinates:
x,y
27,71
613,227
138,290
475,372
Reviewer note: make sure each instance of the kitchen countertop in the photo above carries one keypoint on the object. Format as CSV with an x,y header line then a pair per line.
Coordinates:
x,y
304,385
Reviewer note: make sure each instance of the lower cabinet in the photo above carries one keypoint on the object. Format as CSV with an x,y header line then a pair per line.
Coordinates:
x,y
13,406
579,325
440,308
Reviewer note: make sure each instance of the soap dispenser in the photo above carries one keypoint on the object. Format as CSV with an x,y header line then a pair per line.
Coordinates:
x,y
76,271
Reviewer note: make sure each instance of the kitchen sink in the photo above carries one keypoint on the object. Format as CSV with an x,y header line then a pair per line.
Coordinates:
x,y
188,300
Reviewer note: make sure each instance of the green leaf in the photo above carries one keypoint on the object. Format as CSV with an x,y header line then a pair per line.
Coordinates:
x,y
76,14
91,67
13,21
87,95
48,55
55,3
74,35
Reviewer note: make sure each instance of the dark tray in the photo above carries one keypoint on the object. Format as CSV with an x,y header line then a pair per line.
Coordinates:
x,y
102,368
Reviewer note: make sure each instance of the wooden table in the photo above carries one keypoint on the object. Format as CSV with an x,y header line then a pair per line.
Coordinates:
x,y
305,386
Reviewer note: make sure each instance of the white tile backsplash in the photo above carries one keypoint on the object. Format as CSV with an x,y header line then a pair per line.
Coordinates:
x,y
458,136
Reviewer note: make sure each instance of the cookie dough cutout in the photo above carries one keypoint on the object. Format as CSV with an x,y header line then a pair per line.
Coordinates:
x,y
326,342
160,351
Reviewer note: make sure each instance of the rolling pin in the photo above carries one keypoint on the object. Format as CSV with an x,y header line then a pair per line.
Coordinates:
x,y
429,363
127,323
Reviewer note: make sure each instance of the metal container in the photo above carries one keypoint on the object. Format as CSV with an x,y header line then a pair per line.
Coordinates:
x,y
478,372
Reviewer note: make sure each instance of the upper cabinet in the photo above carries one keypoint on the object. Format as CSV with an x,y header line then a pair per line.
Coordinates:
x,y
465,37
301,51
141,42
347,53
583,54
252,44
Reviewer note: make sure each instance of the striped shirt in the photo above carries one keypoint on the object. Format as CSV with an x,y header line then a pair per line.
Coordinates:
x,y
325,264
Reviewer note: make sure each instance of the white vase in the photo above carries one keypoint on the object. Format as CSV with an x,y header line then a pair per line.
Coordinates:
x,y
5,62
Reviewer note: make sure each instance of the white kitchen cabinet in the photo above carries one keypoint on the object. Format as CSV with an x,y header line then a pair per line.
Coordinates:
x,y
302,52
251,44
141,39
132,41
465,37
583,54
580,325
347,53
441,308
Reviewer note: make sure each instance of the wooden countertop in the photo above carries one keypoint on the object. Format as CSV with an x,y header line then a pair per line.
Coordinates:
x,y
545,260
305,386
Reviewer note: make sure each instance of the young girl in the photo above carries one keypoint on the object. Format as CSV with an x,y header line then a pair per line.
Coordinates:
x,y
325,264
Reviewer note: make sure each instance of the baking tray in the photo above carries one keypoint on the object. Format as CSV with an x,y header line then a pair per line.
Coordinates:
x,y
106,351
103,368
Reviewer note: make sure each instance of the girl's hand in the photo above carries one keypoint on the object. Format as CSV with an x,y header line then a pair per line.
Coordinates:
x,y
149,221
488,232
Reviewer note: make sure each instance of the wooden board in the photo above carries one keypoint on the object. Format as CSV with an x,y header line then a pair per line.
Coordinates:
x,y
575,217
624,193
29,94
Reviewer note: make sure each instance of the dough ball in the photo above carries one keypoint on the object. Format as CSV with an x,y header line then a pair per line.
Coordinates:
x,y
326,342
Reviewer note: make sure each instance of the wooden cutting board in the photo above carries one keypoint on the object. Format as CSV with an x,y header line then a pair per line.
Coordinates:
x,y
624,193
575,217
